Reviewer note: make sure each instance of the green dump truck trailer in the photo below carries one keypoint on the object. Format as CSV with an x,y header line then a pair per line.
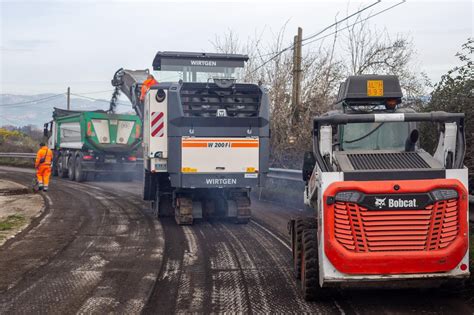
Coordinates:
x,y
86,143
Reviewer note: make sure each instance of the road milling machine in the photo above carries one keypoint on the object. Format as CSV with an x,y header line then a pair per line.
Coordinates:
x,y
205,136
387,213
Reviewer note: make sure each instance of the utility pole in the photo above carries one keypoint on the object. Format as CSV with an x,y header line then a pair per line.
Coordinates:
x,y
68,98
297,71
293,91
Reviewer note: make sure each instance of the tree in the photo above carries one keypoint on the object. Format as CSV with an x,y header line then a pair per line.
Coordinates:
x,y
364,50
373,51
454,93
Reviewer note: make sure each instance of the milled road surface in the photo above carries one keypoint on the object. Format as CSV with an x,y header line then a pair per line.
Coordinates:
x,y
97,250
92,252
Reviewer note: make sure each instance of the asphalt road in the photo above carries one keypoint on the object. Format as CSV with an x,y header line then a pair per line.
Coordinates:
x,y
98,250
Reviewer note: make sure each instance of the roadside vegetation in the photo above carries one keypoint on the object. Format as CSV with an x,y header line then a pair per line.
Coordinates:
x,y
24,139
455,93
11,222
352,49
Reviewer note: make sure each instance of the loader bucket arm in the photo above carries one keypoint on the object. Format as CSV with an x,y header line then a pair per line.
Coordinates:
x,y
130,82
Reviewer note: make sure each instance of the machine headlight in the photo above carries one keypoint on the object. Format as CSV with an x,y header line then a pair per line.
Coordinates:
x,y
160,95
444,194
348,196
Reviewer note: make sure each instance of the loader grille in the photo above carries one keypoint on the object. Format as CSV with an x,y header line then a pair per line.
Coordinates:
x,y
204,100
360,230
387,161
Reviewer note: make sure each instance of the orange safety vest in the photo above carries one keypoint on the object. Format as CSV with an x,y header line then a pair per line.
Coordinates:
x,y
146,86
46,153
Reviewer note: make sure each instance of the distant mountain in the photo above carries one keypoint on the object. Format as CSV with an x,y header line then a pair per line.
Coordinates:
x,y
22,110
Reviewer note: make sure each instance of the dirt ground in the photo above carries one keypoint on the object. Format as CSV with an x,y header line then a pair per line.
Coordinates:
x,y
18,206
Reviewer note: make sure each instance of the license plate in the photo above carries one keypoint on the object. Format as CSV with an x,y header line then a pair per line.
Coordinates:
x,y
110,161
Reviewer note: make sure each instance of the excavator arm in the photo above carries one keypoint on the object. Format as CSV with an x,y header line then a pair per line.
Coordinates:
x,y
129,82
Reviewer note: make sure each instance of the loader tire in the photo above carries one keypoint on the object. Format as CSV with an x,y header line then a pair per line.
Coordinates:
x,y
301,224
310,287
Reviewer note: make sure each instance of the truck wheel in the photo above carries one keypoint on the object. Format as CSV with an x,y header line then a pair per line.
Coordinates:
x,y
54,168
62,173
79,174
301,224
310,287
71,168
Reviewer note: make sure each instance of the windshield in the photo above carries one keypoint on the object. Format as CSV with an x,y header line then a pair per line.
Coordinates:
x,y
197,74
375,136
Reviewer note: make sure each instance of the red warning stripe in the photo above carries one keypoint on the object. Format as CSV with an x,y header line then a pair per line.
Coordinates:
x,y
157,124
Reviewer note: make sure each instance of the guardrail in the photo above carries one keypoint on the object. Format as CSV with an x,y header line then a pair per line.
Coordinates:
x,y
18,155
277,173
285,174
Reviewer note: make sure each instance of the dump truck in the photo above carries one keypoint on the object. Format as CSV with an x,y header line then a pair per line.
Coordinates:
x,y
206,136
88,143
386,212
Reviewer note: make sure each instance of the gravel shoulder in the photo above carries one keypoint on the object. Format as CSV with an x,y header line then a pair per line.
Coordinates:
x,y
18,208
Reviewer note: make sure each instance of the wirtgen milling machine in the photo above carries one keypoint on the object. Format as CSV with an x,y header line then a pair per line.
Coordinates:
x,y
206,137
387,213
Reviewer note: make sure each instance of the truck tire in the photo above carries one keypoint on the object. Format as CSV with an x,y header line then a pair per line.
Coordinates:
x,y
80,175
310,287
62,171
71,168
54,168
301,224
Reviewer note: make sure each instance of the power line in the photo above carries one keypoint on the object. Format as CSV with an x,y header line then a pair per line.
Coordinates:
x,y
334,24
355,23
326,28
337,22
32,101
96,92
98,100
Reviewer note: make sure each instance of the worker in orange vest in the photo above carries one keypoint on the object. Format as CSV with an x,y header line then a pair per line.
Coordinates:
x,y
44,157
146,85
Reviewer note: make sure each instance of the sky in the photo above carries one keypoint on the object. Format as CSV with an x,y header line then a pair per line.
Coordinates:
x,y
47,46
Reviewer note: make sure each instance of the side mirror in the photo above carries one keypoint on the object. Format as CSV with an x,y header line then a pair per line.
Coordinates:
x,y
309,162
45,132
